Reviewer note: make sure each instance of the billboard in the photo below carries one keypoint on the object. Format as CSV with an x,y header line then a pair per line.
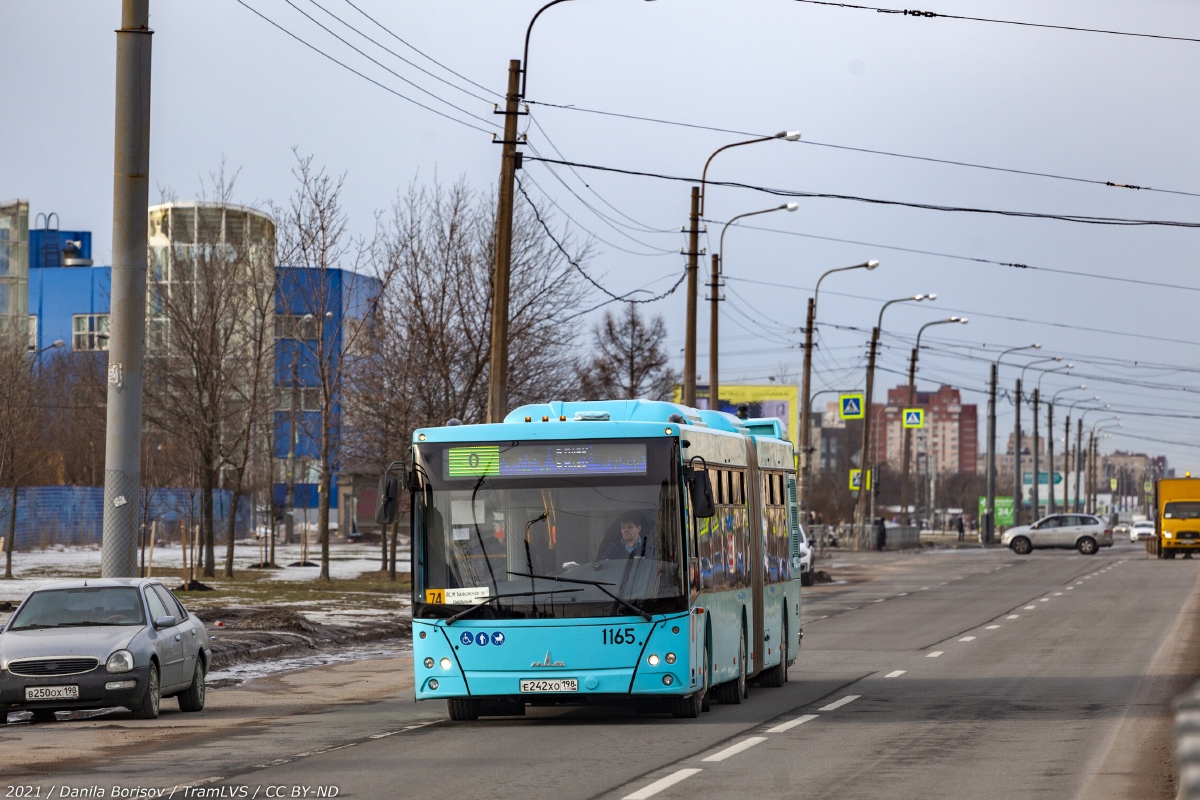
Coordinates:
x,y
771,400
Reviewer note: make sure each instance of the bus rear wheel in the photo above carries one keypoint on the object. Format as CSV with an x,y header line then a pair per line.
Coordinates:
x,y
463,709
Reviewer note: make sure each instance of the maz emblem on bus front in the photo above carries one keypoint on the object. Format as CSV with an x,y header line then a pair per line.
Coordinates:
x,y
548,662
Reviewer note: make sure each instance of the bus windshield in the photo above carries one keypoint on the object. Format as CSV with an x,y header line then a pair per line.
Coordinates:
x,y
1182,510
549,529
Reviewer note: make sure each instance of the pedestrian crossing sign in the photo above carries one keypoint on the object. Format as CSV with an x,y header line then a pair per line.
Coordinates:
x,y
856,480
850,406
914,418
1112,484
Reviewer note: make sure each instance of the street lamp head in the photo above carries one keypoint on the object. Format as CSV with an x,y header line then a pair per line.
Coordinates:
x,y
788,136
1037,346
871,264
1057,358
931,296
1070,365
58,343
790,206
963,320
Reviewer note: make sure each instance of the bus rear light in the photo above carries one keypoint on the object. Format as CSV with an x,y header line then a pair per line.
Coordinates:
x,y
652,660
670,658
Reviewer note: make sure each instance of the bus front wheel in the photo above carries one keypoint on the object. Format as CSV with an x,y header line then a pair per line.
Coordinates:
x,y
463,709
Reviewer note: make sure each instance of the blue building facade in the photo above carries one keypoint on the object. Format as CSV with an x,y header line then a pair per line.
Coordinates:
x,y
72,303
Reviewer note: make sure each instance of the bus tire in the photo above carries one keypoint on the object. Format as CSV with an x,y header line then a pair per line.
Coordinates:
x,y
731,692
706,703
690,707
463,709
776,676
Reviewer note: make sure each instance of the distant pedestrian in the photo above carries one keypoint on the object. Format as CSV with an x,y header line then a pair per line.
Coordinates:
x,y
961,528
880,534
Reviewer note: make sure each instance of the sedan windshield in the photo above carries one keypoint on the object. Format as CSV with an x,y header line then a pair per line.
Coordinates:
x,y
84,606
549,529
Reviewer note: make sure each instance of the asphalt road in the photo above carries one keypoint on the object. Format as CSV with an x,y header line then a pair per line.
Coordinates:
x,y
949,674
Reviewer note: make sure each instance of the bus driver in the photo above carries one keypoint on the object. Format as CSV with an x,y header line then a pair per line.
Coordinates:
x,y
632,543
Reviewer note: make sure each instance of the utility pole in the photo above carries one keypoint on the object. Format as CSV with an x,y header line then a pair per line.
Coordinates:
x,y
131,188
806,414
1017,459
510,162
989,526
689,346
1050,452
862,522
912,376
1067,461
714,397
1036,504
1079,461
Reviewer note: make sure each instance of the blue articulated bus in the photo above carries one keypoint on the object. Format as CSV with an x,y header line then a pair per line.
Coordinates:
x,y
600,552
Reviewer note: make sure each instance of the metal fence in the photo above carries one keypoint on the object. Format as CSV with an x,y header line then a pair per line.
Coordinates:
x,y
74,515
852,537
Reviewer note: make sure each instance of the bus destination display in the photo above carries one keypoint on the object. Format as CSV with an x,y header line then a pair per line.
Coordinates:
x,y
532,460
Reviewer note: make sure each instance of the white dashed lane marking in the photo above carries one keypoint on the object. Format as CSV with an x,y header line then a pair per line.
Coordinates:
x,y
895,673
967,639
1013,616
934,654
734,749
1029,608
1058,594
1044,600
787,726
850,698
991,627
662,783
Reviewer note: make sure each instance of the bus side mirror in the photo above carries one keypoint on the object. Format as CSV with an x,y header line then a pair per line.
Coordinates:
x,y
700,490
389,499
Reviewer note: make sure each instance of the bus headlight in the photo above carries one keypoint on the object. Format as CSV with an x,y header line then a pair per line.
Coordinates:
x,y
652,660
429,663
670,658
445,662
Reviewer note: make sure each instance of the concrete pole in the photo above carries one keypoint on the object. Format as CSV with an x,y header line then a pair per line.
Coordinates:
x,y
907,433
498,360
689,344
289,501
989,524
1050,452
1067,462
1017,458
1036,488
862,509
806,414
1079,462
713,340
131,187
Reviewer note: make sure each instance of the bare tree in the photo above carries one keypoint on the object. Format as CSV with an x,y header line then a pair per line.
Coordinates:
x,y
203,289
20,425
331,299
629,361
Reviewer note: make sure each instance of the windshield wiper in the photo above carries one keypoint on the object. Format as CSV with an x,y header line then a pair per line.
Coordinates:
x,y
598,584
31,627
478,606
97,624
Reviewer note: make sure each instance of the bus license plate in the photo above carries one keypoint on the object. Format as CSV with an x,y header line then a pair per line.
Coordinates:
x,y
536,686
51,692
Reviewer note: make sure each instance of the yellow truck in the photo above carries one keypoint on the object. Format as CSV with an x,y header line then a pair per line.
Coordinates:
x,y
1177,511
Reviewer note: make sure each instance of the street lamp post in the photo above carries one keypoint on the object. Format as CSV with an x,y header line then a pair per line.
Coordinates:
x,y
989,527
510,162
912,374
693,255
806,411
1036,486
1067,506
1093,456
718,259
868,411
1018,499
1050,438
1079,450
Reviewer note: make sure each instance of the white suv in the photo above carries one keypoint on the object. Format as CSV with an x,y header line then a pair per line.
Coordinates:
x,y
1082,532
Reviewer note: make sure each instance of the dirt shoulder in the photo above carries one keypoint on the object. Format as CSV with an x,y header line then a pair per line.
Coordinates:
x,y
34,749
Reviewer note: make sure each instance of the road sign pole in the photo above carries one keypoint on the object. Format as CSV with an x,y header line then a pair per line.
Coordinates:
x,y
861,510
907,433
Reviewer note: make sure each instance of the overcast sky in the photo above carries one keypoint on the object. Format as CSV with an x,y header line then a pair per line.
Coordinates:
x,y
227,85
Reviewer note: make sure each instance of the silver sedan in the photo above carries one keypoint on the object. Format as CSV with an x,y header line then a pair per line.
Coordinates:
x,y
97,643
